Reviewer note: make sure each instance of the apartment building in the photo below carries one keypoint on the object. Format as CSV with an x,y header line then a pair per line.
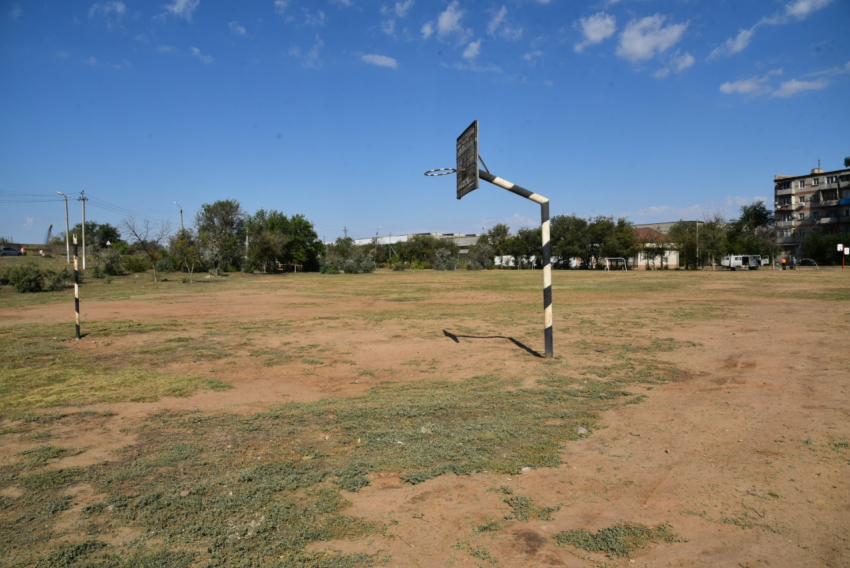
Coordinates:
x,y
819,201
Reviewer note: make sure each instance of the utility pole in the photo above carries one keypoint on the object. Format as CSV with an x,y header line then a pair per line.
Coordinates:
x,y
83,198
697,244
67,230
181,216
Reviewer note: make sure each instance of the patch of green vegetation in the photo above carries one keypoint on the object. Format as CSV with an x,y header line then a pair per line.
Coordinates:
x,y
619,540
38,456
523,509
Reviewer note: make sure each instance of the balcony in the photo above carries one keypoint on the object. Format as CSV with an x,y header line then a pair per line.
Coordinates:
x,y
784,207
792,240
784,224
827,220
788,191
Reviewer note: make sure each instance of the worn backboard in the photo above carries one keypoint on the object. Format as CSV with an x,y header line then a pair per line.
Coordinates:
x,y
467,160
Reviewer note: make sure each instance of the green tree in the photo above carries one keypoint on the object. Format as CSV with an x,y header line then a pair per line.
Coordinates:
x,y
268,234
753,232
525,245
480,255
599,229
497,238
569,238
184,247
683,236
712,237
847,162
822,248
621,241
221,229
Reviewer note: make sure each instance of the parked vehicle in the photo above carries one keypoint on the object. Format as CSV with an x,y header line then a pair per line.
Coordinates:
x,y
9,251
736,261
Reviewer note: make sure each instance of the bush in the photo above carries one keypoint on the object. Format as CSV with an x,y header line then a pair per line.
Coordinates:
x,y
359,263
59,280
398,266
444,260
135,263
27,278
164,265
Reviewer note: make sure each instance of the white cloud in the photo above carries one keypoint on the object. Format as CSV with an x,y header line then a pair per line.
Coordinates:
x,y
800,9
532,55
28,225
388,27
402,8
15,11
596,29
448,24
167,49
280,6
472,50
313,58
677,64
317,19
647,37
236,28
91,61
753,85
183,8
207,59
427,30
734,45
108,8
795,87
498,25
379,60
142,38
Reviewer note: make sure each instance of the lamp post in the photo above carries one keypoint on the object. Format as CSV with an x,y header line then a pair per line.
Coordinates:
x,y
83,198
181,216
67,230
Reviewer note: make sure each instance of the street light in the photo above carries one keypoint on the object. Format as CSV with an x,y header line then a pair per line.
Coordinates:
x,y
181,216
67,230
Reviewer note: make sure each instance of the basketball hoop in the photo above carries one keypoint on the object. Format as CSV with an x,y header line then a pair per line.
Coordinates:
x,y
440,172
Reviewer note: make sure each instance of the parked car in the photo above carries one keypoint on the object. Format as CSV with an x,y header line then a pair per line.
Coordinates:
x,y
9,251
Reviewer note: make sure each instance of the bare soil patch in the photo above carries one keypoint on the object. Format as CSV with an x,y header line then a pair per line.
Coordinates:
x,y
744,453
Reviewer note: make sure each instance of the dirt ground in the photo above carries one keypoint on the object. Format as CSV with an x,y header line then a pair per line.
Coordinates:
x,y
744,454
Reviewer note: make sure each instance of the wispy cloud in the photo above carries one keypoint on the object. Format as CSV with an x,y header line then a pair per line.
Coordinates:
x,y
207,59
645,38
183,8
314,18
733,45
313,58
678,63
472,50
595,29
500,26
794,11
448,26
795,87
379,60
92,61
15,11
390,13
112,11
237,28
761,85
27,226
280,6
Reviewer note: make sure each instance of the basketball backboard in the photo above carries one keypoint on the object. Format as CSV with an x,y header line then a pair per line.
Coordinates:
x,y
467,160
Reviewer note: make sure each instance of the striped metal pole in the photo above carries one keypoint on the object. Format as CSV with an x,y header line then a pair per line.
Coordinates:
x,y
547,249
76,289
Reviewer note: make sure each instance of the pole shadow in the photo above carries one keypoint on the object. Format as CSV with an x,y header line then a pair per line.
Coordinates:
x,y
456,338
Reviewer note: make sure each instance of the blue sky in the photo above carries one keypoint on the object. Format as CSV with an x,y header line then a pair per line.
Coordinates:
x,y
650,110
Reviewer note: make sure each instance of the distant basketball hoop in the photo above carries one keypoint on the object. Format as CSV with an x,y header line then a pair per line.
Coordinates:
x,y
440,172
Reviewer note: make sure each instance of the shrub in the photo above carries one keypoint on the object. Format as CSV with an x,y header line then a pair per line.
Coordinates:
x,y
27,278
398,266
164,265
58,280
135,263
444,260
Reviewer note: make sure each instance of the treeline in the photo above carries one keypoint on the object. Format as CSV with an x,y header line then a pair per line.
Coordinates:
x,y
224,238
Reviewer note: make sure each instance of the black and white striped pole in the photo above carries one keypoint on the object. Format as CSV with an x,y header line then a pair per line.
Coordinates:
x,y
468,175
76,289
547,249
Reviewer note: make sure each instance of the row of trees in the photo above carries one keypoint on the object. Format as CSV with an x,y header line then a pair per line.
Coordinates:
x,y
224,237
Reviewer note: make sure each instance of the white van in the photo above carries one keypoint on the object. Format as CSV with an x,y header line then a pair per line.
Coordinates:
x,y
736,261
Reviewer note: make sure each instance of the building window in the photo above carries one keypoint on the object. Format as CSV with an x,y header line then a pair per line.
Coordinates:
x,y
815,181
801,216
815,215
784,185
802,199
832,179
801,183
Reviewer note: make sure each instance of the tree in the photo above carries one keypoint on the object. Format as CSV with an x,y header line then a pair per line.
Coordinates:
x,y
598,231
569,238
847,162
221,227
184,246
268,236
525,245
712,236
148,237
821,247
621,241
754,232
684,238
497,237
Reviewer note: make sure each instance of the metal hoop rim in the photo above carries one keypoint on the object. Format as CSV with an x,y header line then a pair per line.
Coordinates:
x,y
440,172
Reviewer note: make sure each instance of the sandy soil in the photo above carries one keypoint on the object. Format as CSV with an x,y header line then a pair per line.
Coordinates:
x,y
738,455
